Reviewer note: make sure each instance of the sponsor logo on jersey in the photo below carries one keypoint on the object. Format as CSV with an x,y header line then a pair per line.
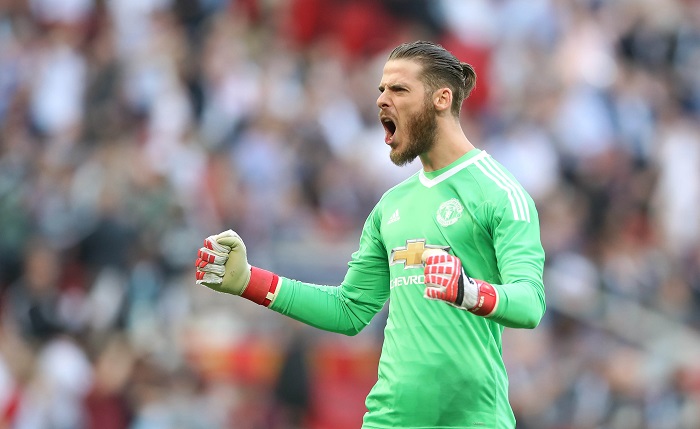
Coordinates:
x,y
407,280
449,212
410,254
394,217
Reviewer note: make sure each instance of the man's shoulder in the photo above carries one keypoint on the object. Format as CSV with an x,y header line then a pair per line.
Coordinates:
x,y
502,189
490,173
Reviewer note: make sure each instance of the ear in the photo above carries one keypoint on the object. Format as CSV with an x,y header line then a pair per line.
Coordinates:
x,y
442,99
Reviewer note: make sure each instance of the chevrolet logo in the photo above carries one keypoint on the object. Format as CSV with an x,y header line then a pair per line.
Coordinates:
x,y
410,255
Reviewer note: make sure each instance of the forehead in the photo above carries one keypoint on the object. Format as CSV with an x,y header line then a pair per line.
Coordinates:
x,y
401,71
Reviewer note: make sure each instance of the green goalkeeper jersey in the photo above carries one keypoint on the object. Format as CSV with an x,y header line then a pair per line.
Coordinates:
x,y
440,366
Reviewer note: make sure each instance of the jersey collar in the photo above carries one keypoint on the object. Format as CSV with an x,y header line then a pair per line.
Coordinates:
x,y
432,178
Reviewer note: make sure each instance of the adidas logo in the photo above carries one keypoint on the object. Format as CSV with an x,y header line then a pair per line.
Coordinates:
x,y
394,217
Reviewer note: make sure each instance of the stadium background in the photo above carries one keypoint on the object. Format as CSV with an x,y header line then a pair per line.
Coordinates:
x,y
132,129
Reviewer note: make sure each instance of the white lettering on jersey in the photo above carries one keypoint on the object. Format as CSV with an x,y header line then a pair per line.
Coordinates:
x,y
407,280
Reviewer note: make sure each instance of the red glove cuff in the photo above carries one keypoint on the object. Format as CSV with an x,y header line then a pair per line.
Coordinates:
x,y
487,299
262,286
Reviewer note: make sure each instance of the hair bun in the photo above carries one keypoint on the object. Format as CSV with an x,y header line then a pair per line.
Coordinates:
x,y
469,78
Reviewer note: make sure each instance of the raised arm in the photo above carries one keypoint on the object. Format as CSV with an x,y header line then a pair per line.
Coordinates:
x,y
222,265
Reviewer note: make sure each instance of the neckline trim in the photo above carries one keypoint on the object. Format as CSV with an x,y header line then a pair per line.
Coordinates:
x,y
451,171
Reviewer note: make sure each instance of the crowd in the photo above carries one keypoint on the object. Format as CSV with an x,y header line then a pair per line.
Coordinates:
x,y
132,129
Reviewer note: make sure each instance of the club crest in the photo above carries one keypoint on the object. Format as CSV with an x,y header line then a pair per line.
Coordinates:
x,y
449,212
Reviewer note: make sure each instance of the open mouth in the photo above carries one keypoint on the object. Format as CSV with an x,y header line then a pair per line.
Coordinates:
x,y
389,129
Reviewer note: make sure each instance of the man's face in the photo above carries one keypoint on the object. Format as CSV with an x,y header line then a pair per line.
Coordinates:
x,y
406,111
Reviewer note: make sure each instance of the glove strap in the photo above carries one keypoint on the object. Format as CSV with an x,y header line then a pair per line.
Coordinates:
x,y
262,287
487,300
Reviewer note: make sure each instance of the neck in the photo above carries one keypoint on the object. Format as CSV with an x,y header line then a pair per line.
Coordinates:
x,y
450,144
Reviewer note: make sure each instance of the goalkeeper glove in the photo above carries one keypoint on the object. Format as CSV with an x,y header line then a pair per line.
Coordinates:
x,y
445,280
222,265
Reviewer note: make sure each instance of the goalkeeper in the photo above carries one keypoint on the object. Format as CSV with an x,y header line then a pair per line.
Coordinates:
x,y
455,248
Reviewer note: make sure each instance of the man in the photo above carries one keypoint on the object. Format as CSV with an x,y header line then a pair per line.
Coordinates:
x,y
455,247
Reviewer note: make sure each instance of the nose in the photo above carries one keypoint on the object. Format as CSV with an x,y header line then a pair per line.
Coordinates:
x,y
382,100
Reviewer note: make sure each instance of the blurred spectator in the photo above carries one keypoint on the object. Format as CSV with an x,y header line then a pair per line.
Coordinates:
x,y
54,395
32,306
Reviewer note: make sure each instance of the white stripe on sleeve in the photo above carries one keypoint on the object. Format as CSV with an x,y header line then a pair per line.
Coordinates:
x,y
518,201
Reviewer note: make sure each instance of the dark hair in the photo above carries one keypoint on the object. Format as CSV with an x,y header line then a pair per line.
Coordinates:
x,y
440,68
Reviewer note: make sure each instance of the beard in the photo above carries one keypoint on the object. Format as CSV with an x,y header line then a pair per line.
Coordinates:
x,y
421,129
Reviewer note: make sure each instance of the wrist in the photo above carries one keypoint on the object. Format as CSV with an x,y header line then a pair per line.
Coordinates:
x,y
262,287
487,298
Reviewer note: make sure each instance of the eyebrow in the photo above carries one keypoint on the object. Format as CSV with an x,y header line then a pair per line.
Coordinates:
x,y
392,86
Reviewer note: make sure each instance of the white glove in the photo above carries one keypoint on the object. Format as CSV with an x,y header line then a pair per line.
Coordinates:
x,y
222,265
